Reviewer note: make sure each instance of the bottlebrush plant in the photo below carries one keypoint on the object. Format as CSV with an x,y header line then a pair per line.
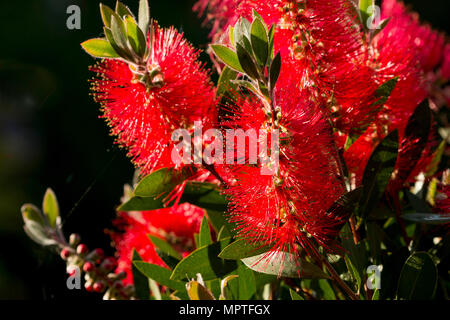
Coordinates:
x,y
335,182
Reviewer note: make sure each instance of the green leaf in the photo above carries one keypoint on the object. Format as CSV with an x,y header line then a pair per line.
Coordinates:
x,y
275,68
144,16
141,284
344,207
50,207
271,35
414,140
384,91
99,48
159,182
196,291
364,11
121,52
161,276
37,233
383,23
135,37
284,265
418,278
295,295
204,237
241,249
106,13
122,10
165,247
437,157
32,213
141,204
327,290
224,84
207,196
427,218
205,261
119,33
378,172
246,282
355,258
259,41
246,61
227,56
170,261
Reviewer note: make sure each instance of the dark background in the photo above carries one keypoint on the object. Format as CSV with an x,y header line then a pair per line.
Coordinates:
x,y
51,136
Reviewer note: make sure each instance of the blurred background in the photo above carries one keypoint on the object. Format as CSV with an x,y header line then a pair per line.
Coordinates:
x,y
51,134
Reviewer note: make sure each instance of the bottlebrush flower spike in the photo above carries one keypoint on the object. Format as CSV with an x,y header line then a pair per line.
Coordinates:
x,y
175,225
144,101
286,208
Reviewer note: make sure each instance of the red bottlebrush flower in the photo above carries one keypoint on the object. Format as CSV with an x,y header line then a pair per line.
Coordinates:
x,y
285,208
176,225
445,68
143,118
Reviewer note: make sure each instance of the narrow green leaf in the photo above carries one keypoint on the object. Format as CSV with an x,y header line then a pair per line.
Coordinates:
x,y
227,56
241,249
141,284
224,84
165,247
170,261
414,140
285,265
159,182
384,91
246,282
106,13
205,261
160,275
37,233
295,295
271,35
121,52
144,16
327,290
122,10
204,237
141,204
364,11
275,68
31,212
135,36
119,33
260,41
378,172
246,61
99,48
418,278
355,258
50,207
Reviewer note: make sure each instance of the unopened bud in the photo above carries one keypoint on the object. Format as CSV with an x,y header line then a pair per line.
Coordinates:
x,y
82,249
65,253
74,239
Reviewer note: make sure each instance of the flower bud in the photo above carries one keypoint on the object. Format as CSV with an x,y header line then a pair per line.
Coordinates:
x,y
82,249
74,239
108,264
88,266
65,253
99,286
88,286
